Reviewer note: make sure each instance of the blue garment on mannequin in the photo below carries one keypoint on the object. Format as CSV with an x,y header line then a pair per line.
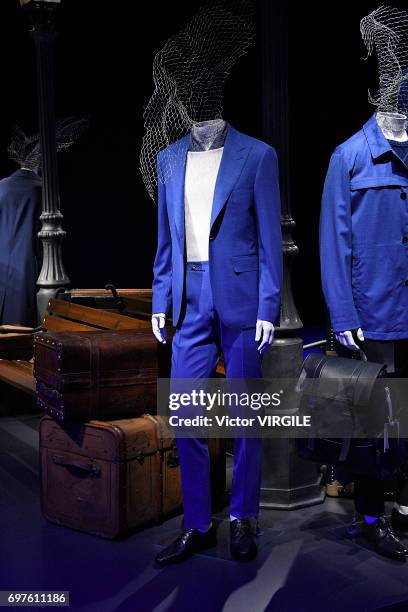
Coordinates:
x,y
364,237
245,242
20,251
199,338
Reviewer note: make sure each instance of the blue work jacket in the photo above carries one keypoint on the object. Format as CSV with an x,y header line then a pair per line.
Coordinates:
x,y
364,237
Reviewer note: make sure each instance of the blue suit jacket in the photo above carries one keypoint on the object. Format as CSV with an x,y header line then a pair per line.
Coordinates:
x,y
20,209
364,237
245,243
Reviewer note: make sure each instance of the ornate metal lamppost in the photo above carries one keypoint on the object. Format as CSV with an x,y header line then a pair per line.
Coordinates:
x,y
288,482
41,15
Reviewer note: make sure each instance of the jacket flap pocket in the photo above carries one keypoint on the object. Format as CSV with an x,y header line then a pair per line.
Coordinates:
x,y
245,263
378,181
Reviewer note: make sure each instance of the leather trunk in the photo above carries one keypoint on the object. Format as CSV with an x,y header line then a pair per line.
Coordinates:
x,y
108,478
89,375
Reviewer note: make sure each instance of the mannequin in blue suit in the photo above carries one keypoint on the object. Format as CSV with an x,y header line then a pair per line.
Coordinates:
x,y
229,302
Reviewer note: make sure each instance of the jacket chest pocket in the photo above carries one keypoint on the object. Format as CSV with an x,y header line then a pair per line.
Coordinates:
x,y
380,208
391,182
381,186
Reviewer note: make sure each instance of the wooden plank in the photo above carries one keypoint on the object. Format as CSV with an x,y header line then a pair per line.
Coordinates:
x,y
16,346
19,374
27,366
137,305
11,327
52,323
98,292
97,318
140,323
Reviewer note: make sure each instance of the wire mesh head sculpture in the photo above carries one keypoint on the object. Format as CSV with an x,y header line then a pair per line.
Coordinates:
x,y
385,30
26,150
189,73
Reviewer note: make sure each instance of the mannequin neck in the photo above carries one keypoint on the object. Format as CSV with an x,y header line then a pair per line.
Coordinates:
x,y
205,133
393,125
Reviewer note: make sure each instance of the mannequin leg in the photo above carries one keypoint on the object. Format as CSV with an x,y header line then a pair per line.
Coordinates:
x,y
195,355
242,360
369,496
401,371
395,355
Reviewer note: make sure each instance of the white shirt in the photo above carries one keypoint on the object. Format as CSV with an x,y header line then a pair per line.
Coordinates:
x,y
201,175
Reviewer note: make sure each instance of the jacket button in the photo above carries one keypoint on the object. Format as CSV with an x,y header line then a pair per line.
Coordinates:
x,y
405,239
211,237
403,195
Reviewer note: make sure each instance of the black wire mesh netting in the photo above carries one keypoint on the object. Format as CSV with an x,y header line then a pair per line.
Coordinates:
x,y
189,73
385,31
26,150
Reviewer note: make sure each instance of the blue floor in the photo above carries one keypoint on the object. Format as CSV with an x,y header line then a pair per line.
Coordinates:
x,y
307,560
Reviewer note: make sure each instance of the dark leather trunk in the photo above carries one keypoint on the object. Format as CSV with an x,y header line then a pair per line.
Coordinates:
x,y
98,374
108,478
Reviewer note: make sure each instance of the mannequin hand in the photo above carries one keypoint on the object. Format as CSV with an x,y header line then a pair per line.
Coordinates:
x,y
346,339
158,323
264,332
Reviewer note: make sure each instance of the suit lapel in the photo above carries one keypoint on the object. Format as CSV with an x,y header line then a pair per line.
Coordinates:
x,y
179,160
233,158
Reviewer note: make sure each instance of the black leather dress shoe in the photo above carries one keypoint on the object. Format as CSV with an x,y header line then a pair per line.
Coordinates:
x,y
189,542
399,521
383,539
242,543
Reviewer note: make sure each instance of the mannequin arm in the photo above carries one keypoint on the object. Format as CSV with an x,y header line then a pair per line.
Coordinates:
x,y
265,332
336,246
161,289
158,324
268,220
346,339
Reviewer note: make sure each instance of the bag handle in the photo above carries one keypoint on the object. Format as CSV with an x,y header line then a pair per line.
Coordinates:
x,y
360,345
363,356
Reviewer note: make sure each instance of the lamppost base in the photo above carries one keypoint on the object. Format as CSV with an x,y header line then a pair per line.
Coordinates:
x,y
44,295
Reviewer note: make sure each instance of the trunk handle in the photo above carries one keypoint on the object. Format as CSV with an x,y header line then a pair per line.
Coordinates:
x,y
87,466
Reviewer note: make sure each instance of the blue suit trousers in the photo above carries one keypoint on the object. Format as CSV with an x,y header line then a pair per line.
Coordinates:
x,y
199,338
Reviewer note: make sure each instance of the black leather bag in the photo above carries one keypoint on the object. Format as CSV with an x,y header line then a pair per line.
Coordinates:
x,y
351,397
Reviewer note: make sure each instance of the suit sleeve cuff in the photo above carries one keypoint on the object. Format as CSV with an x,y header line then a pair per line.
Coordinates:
x,y
269,313
339,325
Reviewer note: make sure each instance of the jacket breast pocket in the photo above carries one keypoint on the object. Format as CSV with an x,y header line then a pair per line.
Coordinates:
x,y
245,263
378,182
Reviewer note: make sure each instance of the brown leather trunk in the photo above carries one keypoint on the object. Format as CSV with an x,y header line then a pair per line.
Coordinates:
x,y
88,375
108,478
